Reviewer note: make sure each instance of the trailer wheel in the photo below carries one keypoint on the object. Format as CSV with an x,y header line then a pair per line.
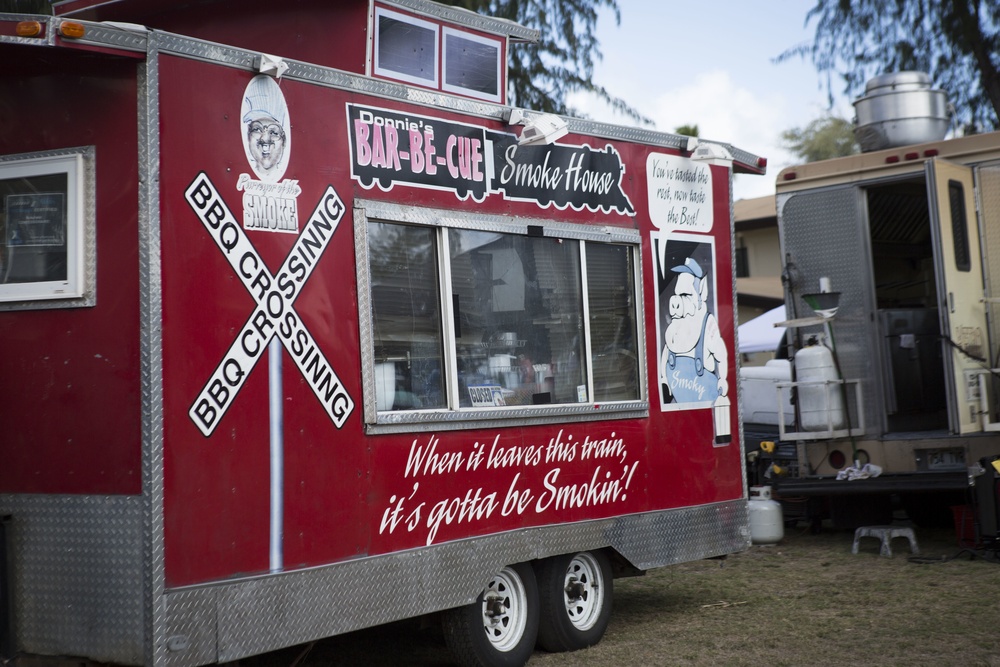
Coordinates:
x,y
576,592
499,629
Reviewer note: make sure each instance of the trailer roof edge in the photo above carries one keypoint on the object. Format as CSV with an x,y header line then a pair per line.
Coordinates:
x,y
470,19
457,15
110,34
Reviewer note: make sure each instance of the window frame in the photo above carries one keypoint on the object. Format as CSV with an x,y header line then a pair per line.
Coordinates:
x,y
441,29
446,32
78,289
453,417
434,28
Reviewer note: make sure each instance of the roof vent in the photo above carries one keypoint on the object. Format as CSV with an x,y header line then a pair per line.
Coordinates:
x,y
900,109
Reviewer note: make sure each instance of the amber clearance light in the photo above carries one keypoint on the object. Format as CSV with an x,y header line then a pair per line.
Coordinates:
x,y
28,29
71,29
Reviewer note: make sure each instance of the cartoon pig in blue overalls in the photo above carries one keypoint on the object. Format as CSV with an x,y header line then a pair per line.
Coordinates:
x,y
694,364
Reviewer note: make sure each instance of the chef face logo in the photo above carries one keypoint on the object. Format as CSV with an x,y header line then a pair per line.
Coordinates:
x,y
265,128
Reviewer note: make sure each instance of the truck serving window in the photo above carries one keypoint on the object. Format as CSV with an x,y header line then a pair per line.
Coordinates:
x,y
473,322
42,229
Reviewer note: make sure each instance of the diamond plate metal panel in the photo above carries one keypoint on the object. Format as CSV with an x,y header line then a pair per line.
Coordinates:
x,y
48,40
151,347
470,19
76,575
190,631
825,234
269,612
128,38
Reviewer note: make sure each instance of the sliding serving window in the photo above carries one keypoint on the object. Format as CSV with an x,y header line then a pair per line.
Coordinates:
x,y
615,358
490,318
518,311
406,317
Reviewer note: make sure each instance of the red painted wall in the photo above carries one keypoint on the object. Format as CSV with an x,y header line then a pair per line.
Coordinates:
x,y
69,377
348,494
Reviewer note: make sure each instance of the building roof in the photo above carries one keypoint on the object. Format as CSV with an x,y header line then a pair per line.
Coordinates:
x,y
755,213
760,291
756,209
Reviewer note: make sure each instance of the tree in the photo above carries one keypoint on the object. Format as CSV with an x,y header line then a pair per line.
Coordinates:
x,y
957,42
822,139
687,130
26,6
541,76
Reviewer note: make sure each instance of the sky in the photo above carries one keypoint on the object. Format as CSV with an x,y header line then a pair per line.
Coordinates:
x,y
710,63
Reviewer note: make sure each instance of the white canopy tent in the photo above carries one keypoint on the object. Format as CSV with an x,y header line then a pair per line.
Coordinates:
x,y
760,334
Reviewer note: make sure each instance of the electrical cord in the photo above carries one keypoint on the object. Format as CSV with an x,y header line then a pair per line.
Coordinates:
x,y
980,360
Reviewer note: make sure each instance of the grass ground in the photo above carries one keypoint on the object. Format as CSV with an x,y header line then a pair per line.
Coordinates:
x,y
804,601
808,601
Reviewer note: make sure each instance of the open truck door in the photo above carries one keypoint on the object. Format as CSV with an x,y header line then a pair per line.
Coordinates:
x,y
958,266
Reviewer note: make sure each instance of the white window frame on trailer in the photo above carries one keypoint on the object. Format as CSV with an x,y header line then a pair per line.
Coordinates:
x,y
462,90
76,218
433,28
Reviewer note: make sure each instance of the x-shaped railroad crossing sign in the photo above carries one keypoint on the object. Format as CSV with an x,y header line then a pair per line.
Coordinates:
x,y
274,315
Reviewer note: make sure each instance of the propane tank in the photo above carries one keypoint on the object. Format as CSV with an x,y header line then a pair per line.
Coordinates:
x,y
821,406
766,523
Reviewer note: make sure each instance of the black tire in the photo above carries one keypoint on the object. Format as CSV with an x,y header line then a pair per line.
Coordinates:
x,y
575,600
499,629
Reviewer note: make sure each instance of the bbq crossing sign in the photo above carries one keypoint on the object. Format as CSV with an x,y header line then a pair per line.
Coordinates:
x,y
274,314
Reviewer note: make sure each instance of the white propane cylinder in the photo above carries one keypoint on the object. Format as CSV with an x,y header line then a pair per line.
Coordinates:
x,y
821,406
766,523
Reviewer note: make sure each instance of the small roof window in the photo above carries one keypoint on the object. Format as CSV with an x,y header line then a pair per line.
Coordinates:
x,y
471,65
444,48
406,48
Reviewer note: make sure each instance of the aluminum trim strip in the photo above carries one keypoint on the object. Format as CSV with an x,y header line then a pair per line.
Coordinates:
x,y
151,346
470,19
234,57
48,40
103,34
465,219
734,375
119,36
365,335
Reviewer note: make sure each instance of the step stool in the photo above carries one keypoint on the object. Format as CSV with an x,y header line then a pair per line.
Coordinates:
x,y
885,533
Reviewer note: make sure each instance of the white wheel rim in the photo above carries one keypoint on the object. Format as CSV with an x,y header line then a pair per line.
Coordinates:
x,y
504,610
583,591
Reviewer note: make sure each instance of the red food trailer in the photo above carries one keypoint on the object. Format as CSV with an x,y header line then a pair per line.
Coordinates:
x,y
307,330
